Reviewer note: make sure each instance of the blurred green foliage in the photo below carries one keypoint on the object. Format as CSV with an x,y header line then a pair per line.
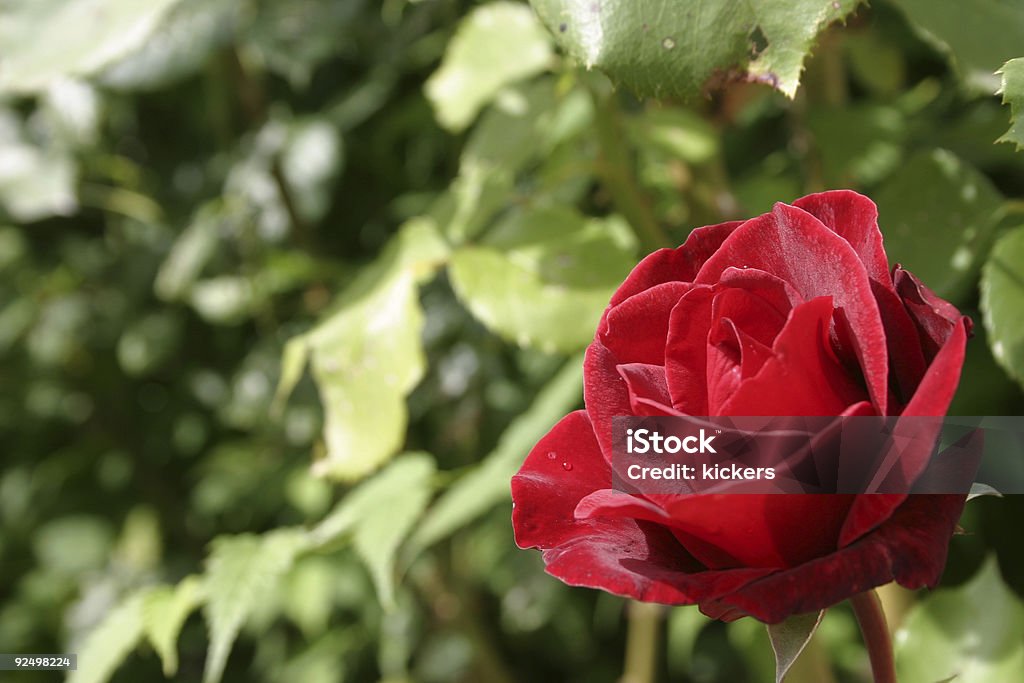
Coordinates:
x,y
288,288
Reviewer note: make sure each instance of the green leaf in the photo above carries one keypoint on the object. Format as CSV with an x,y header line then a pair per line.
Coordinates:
x,y
858,144
241,570
309,594
789,639
974,632
977,37
525,123
90,34
164,613
111,641
1002,300
671,49
367,356
496,44
487,484
938,216
379,515
542,276
1012,90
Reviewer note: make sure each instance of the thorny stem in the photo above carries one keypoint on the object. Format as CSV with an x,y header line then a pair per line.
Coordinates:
x,y
868,610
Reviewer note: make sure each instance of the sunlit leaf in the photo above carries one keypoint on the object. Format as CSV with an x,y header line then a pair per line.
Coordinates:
x,y
974,632
542,276
379,514
241,570
164,612
496,44
670,49
91,34
367,356
1002,300
111,641
1012,90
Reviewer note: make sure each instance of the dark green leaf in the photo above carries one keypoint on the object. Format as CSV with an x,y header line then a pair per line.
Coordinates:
x,y
937,215
671,49
1012,90
1002,300
978,36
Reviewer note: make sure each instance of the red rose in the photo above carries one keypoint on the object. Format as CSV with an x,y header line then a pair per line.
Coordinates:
x,y
791,313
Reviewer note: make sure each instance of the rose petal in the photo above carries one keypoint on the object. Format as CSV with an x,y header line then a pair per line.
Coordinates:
x,y
605,393
853,217
545,493
934,317
637,560
648,392
815,382
636,329
675,265
733,356
867,512
936,390
616,504
686,351
793,245
759,530
909,548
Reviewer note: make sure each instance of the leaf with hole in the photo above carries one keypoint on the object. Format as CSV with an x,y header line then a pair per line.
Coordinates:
x,y
670,49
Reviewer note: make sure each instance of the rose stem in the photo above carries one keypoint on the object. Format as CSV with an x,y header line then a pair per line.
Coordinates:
x,y
641,642
871,618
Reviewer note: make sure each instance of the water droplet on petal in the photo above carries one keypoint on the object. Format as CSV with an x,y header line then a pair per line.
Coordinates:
x,y
552,455
567,466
